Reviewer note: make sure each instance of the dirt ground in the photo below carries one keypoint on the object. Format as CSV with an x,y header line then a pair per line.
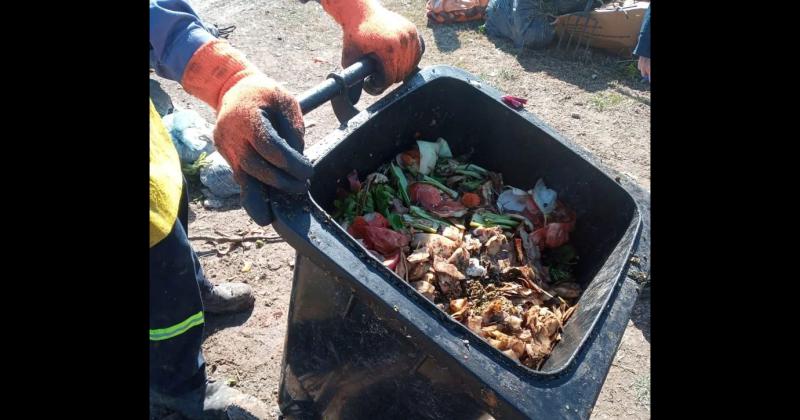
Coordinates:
x,y
596,100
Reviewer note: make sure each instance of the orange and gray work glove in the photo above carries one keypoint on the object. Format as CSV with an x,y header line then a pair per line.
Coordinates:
x,y
259,127
370,29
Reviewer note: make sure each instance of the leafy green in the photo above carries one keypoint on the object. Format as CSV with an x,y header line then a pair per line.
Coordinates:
x,y
402,183
366,204
428,180
471,174
487,218
346,208
560,262
382,195
396,221
418,212
421,224
471,185
558,275
194,168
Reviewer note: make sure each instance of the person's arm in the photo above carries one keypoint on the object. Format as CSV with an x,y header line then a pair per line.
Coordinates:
x,y
259,128
176,32
371,29
643,47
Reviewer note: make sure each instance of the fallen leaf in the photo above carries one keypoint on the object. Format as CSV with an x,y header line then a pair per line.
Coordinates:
x,y
247,266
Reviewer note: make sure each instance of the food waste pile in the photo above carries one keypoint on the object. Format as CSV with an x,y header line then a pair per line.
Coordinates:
x,y
494,257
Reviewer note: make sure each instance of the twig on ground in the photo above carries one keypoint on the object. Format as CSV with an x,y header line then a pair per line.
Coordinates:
x,y
270,238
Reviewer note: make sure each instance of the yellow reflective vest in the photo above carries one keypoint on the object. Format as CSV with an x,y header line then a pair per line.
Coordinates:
x,y
166,180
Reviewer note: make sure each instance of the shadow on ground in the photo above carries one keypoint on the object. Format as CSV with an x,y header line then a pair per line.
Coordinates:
x,y
641,314
576,67
446,35
216,323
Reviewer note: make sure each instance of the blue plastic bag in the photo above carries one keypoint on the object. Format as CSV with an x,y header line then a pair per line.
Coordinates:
x,y
217,175
190,133
527,23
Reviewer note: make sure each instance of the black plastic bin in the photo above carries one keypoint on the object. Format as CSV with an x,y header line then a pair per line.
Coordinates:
x,y
362,343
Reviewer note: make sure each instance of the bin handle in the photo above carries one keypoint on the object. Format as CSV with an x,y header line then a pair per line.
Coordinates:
x,y
343,90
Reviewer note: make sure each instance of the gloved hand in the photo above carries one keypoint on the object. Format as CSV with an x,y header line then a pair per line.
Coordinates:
x,y
370,29
259,127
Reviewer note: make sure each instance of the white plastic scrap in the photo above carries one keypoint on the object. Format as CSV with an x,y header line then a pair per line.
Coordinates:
x,y
474,269
512,199
544,197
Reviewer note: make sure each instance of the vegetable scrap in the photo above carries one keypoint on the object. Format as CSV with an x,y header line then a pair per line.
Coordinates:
x,y
514,102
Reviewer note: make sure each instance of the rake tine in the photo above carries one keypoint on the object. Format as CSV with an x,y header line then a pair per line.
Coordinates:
x,y
589,39
583,33
571,33
561,37
576,35
580,37
587,13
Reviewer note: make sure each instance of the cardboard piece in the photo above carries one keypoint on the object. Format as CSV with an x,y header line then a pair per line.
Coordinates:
x,y
614,27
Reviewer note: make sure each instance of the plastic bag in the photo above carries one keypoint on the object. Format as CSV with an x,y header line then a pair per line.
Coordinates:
x,y
190,133
528,23
571,6
217,175
160,99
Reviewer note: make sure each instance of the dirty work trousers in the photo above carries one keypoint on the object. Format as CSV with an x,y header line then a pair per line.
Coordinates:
x,y
177,367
